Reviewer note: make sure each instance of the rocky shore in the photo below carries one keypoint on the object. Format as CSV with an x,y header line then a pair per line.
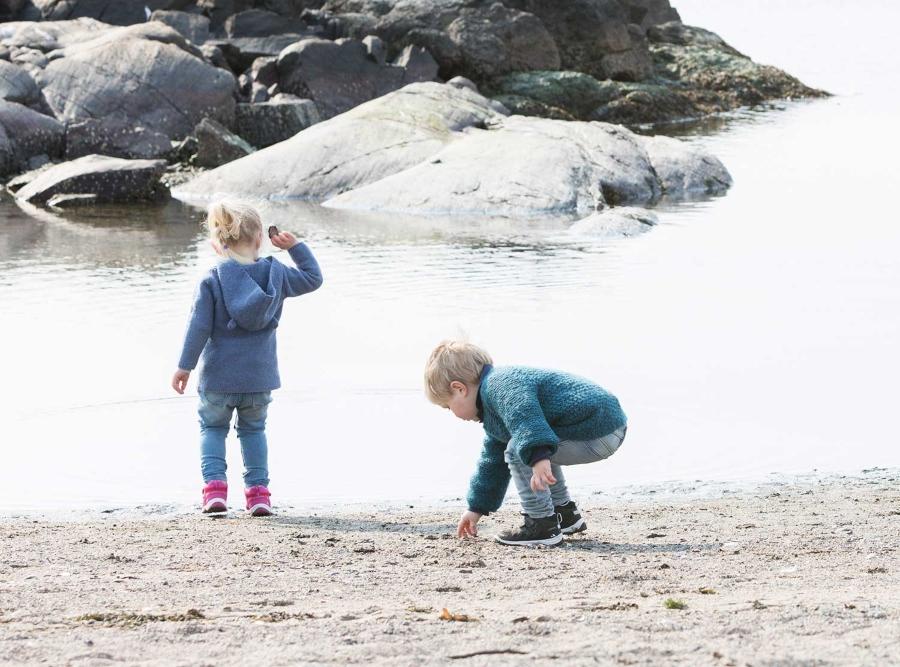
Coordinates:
x,y
193,85
790,574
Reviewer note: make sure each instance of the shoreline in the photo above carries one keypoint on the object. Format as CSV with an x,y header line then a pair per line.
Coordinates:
x,y
674,490
798,574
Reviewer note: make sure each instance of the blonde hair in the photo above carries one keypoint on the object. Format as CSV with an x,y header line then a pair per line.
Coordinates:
x,y
232,223
453,360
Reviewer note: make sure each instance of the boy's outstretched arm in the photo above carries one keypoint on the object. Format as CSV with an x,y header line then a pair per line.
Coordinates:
x,y
487,486
307,277
199,330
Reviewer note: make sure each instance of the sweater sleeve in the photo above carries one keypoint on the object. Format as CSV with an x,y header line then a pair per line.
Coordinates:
x,y
307,277
523,417
491,479
199,327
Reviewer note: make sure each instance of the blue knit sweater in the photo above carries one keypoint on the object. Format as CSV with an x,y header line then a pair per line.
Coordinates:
x,y
234,317
528,409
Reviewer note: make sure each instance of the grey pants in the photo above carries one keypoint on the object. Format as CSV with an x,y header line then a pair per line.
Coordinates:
x,y
537,504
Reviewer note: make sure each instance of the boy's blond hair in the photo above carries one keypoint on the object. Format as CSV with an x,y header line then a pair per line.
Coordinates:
x,y
453,360
233,223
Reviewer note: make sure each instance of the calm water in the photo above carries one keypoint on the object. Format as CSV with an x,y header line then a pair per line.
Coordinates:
x,y
745,335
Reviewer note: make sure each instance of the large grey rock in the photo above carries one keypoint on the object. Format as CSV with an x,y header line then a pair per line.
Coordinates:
x,y
216,145
50,35
615,222
155,31
116,136
520,166
261,23
340,75
369,142
646,13
115,12
241,52
478,39
193,27
266,124
25,134
147,73
593,37
110,179
16,85
684,170
440,149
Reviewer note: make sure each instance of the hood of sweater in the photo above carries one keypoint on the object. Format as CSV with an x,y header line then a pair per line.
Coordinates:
x,y
251,292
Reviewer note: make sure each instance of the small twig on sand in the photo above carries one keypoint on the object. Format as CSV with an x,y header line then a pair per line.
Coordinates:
x,y
494,651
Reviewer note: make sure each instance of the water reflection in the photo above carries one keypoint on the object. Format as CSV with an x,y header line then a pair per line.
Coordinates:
x,y
109,236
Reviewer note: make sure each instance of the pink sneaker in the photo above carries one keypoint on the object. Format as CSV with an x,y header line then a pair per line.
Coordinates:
x,y
258,502
215,494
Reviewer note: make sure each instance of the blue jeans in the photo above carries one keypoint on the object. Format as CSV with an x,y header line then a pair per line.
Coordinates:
x,y
215,412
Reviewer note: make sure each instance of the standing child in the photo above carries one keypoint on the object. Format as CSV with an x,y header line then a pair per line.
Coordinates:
x,y
236,310
534,421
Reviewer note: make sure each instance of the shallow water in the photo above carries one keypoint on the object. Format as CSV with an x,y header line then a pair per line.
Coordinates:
x,y
744,335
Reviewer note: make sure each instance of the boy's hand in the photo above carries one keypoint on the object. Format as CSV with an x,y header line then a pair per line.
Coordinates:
x,y
180,380
467,526
541,475
284,240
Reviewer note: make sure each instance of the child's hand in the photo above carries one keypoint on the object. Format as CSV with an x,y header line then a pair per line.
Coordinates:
x,y
541,475
180,380
284,240
467,526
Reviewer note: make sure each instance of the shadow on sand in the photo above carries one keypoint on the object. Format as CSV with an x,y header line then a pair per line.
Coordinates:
x,y
441,529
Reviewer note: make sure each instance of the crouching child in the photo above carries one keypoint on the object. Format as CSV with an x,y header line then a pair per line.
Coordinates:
x,y
535,421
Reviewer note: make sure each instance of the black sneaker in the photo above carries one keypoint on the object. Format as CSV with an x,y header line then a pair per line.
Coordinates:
x,y
532,532
570,519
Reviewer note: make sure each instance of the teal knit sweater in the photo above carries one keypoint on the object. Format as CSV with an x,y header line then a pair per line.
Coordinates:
x,y
527,408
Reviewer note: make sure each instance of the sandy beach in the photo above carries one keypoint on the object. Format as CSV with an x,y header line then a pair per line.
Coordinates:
x,y
803,575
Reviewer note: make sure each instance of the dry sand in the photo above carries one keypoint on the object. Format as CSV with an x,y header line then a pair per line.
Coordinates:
x,y
805,575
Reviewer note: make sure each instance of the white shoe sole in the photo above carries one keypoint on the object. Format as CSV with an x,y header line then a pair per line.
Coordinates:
x,y
576,527
215,505
549,541
260,510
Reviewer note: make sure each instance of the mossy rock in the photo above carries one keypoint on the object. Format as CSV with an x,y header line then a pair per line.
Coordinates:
x,y
575,93
577,96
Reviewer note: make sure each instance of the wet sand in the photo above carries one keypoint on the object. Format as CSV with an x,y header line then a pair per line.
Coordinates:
x,y
805,575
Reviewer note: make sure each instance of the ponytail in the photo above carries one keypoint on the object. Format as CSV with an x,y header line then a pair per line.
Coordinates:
x,y
233,224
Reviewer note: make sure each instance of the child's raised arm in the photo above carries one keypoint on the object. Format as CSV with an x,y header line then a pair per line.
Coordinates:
x,y
307,277
488,485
